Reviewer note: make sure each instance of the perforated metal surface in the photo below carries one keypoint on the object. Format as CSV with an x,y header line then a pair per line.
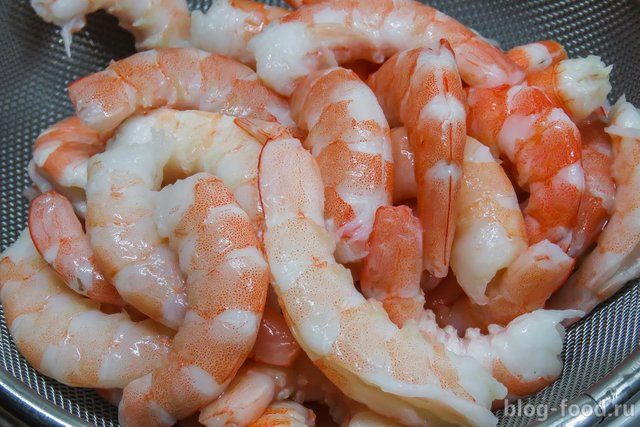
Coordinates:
x,y
35,73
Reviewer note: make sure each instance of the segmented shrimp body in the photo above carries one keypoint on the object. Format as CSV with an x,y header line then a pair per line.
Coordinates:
x,y
286,413
537,56
421,89
228,25
226,290
58,236
66,336
154,23
329,33
60,156
614,261
543,144
349,137
121,196
180,78
359,349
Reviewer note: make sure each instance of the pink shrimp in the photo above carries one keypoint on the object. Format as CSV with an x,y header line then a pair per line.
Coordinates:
x,y
421,88
537,56
597,200
285,413
614,261
66,336
333,32
274,345
182,78
217,245
523,125
349,137
58,235
154,23
405,186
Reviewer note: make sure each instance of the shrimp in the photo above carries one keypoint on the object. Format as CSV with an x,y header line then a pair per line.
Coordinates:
x,y
578,85
60,156
275,345
405,186
227,284
490,230
182,78
58,236
543,144
286,413
228,25
421,88
154,23
121,193
349,137
66,336
333,32
393,371
598,196
534,57
614,261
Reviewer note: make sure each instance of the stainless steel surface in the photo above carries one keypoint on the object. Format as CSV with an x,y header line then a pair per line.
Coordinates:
x,y
35,73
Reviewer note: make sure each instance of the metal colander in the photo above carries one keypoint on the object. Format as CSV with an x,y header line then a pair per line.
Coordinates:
x,y
35,73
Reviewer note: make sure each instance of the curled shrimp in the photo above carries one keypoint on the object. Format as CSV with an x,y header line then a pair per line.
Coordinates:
x,y
228,25
286,413
226,288
58,236
421,89
181,78
614,261
154,23
66,336
534,57
540,140
329,33
121,193
349,137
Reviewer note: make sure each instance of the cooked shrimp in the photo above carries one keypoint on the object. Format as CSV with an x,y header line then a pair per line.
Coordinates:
x,y
405,186
66,336
578,85
286,413
534,57
333,32
490,231
227,284
228,25
154,23
58,236
393,371
349,137
182,78
543,144
121,195
60,156
275,345
599,191
614,261
421,88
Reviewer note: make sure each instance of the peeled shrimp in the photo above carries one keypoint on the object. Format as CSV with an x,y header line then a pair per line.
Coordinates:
x,y
154,23
614,261
578,85
275,344
58,236
286,413
228,25
60,156
226,290
405,186
66,336
182,78
333,32
349,137
393,371
534,57
543,144
421,88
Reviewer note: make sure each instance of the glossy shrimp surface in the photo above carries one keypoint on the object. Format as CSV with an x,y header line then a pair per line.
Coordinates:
x,y
349,136
537,56
421,89
226,288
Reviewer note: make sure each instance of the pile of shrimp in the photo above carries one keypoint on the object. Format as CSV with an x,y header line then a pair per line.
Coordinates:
x,y
361,204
